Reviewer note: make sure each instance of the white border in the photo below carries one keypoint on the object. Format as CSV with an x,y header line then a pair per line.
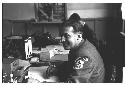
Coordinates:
x,y
49,1
62,1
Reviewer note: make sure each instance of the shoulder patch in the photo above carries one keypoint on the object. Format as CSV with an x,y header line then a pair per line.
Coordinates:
x,y
80,61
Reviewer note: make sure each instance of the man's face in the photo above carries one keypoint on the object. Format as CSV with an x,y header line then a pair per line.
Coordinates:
x,y
69,38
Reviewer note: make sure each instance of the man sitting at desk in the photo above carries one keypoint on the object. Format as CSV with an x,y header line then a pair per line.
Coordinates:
x,y
85,64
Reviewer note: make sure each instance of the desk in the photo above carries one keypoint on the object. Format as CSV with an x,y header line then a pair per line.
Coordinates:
x,y
43,72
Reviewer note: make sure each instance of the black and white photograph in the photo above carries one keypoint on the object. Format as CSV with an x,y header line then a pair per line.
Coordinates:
x,y
63,42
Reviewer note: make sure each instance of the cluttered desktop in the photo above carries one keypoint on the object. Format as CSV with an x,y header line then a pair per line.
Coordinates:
x,y
24,62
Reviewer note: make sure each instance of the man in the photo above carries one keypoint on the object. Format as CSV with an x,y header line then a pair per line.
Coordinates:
x,y
84,61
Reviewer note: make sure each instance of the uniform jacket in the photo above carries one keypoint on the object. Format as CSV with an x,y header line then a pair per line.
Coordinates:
x,y
86,64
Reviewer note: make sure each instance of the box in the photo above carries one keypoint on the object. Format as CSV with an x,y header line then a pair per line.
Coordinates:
x,y
45,56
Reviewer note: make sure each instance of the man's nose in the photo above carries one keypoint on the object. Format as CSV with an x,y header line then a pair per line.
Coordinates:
x,y
63,39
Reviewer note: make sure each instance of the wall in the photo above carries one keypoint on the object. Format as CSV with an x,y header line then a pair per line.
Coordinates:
x,y
23,11
93,10
18,11
102,18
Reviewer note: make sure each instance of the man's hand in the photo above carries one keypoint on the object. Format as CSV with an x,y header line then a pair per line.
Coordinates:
x,y
32,80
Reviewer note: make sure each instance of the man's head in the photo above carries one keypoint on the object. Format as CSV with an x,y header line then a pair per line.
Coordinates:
x,y
70,38
72,32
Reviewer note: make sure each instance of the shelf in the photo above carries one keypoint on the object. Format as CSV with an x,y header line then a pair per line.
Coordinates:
x,y
21,21
34,22
46,22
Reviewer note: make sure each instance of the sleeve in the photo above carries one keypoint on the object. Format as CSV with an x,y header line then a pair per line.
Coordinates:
x,y
84,67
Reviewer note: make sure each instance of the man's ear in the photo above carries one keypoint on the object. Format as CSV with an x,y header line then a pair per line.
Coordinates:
x,y
79,35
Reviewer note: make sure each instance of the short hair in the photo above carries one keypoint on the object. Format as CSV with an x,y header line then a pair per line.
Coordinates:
x,y
77,26
75,17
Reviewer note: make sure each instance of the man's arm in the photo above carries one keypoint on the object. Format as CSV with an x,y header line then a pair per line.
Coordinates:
x,y
84,67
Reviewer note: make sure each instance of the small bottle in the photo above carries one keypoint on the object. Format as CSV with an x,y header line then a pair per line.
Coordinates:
x,y
113,76
11,78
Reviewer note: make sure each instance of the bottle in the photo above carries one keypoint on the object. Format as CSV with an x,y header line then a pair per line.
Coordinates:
x,y
113,76
11,78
